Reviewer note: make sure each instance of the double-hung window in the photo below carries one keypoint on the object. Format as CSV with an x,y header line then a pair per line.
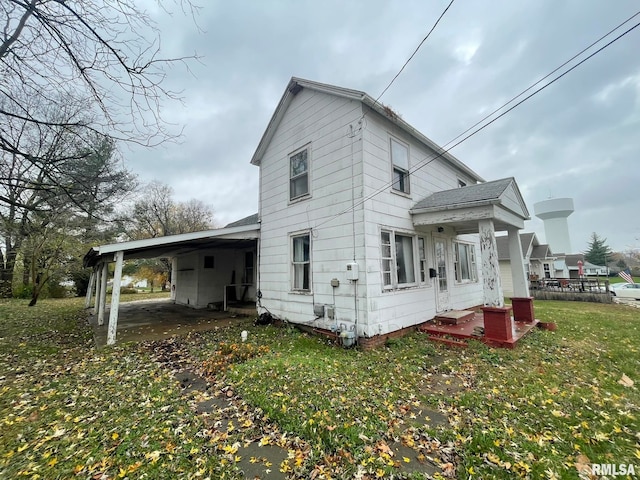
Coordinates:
x,y
400,166
465,262
398,265
301,262
422,258
299,174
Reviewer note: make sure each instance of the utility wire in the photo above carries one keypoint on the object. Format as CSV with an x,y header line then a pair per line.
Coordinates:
x,y
427,161
415,51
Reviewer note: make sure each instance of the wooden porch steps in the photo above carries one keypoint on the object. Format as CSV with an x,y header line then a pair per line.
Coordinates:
x,y
454,317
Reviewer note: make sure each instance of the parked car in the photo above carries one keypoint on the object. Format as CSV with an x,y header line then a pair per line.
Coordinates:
x,y
626,290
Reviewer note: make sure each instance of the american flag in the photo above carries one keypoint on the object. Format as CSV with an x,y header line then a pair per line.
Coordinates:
x,y
626,275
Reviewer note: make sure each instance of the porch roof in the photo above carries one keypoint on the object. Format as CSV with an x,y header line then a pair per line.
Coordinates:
x,y
229,237
462,208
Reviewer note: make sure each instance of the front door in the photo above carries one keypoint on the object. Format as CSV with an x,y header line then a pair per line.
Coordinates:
x,y
442,281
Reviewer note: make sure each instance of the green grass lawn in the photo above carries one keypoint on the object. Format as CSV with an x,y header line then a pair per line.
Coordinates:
x,y
68,410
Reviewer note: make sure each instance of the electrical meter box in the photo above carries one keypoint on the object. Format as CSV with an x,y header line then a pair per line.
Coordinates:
x,y
352,271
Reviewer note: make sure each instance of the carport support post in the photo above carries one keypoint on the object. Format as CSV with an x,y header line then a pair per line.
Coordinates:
x,y
491,284
115,299
103,293
92,280
98,287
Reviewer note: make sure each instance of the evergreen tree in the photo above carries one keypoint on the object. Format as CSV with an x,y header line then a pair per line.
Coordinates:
x,y
598,252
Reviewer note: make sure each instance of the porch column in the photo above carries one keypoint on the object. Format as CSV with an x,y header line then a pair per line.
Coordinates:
x,y
103,293
520,282
491,284
92,280
115,299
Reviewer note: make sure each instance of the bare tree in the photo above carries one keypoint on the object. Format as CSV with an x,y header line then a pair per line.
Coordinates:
x,y
102,53
156,214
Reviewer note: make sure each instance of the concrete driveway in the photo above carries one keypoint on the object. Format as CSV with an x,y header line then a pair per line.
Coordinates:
x,y
157,319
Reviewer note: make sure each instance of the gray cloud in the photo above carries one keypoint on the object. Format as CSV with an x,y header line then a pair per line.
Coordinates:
x,y
578,138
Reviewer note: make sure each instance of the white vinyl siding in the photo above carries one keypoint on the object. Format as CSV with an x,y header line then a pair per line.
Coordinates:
x,y
400,166
465,262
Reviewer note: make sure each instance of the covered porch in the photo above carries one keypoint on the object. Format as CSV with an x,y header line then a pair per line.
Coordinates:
x,y
485,209
209,269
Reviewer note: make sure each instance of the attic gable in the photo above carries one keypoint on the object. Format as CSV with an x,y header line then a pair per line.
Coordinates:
x,y
295,85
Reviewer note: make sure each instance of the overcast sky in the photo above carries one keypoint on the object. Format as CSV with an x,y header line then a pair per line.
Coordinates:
x,y
578,138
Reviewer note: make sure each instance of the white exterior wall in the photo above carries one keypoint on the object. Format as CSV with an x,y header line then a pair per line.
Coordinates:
x,y
392,310
187,280
321,121
506,277
198,286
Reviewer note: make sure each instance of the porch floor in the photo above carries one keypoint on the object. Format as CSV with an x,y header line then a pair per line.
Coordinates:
x,y
473,328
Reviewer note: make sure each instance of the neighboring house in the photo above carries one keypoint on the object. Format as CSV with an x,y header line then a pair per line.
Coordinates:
x,y
364,225
538,260
591,270
571,261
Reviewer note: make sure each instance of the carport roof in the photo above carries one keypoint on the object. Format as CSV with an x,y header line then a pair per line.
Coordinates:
x,y
171,245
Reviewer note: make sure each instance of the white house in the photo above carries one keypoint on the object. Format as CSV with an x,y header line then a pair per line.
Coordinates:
x,y
364,225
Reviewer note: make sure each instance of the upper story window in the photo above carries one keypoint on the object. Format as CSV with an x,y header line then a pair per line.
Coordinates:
x,y
299,174
400,165
465,262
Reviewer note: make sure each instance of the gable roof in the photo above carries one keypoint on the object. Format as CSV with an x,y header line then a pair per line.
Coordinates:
x,y
541,252
526,239
479,194
295,85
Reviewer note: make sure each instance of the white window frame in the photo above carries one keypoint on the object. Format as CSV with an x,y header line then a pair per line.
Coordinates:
x,y
402,170
306,173
295,264
423,263
389,255
471,263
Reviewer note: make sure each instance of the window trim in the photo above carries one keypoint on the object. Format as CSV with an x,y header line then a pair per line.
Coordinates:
x,y
307,172
395,285
293,263
472,262
423,263
404,171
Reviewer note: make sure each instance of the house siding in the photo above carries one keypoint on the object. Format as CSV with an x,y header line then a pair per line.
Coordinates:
x,y
340,167
396,309
322,122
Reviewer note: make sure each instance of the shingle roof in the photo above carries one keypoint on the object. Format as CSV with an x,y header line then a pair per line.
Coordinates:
x,y
572,260
481,192
250,220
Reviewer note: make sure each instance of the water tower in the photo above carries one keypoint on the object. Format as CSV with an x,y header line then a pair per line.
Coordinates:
x,y
554,213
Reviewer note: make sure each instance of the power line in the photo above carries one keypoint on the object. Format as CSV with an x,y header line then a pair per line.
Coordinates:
x,y
415,51
427,161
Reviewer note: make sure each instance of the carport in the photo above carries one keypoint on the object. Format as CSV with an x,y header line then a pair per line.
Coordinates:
x,y
208,268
